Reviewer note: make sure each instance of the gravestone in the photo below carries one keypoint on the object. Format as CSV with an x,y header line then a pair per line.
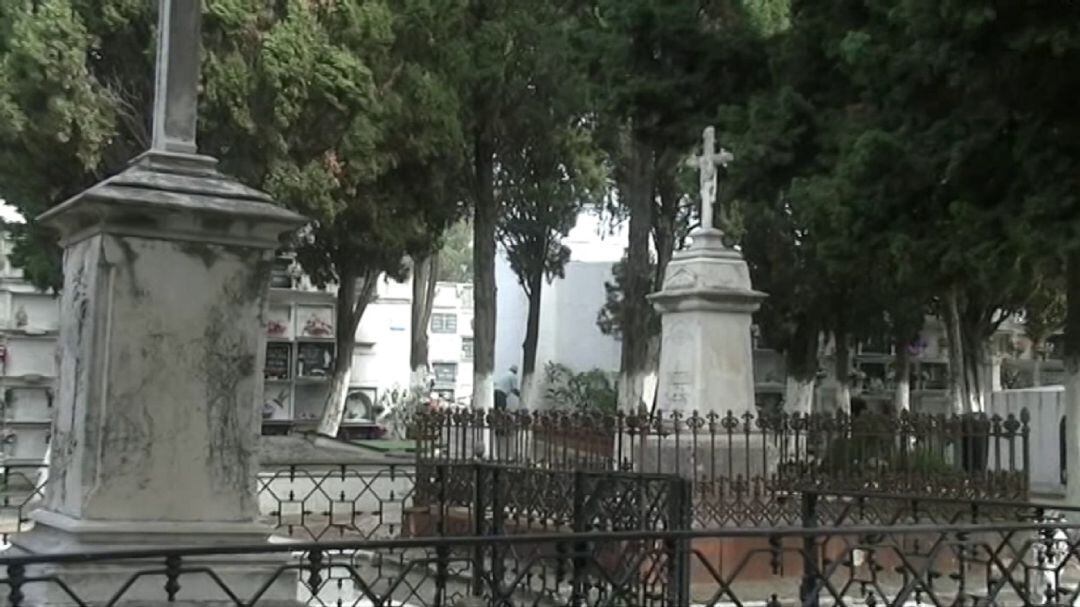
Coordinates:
x,y
166,277
706,303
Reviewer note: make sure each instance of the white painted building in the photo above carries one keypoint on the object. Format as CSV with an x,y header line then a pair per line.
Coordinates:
x,y
29,320
381,360
301,350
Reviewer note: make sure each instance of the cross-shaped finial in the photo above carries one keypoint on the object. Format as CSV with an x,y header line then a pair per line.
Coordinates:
x,y
176,84
706,163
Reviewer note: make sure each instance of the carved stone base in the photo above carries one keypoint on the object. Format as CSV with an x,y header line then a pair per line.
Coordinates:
x,y
709,458
706,304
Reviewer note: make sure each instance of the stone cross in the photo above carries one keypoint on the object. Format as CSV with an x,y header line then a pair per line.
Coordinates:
x,y
176,85
706,163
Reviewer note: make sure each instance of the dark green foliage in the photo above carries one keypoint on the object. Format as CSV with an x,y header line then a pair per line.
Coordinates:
x,y
892,158
338,110
589,391
455,254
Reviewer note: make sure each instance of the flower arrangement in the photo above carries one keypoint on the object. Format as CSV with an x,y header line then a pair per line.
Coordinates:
x,y
317,327
398,408
276,328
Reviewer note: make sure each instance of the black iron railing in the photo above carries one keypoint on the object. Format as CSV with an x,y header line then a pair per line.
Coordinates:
x,y
998,564
735,459
311,501
316,502
480,498
474,533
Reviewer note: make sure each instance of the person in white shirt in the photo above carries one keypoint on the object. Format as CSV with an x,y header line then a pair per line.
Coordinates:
x,y
505,386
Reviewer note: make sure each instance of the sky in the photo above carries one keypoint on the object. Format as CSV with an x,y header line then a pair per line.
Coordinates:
x,y
9,213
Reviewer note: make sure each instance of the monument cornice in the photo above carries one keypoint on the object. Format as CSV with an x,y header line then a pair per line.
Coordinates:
x,y
174,196
715,299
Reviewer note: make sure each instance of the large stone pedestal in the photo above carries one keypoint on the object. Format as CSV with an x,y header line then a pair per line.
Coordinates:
x,y
166,274
706,356
728,459
706,362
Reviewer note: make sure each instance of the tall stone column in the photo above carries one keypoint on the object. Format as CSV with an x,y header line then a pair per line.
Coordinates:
x,y
166,279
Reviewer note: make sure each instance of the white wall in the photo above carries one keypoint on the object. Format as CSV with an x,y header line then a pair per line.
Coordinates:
x,y
386,326
568,308
31,356
381,360
1047,408
578,341
568,311
454,299
512,310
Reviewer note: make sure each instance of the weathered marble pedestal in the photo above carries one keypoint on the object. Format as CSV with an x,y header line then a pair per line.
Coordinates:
x,y
166,274
729,458
706,357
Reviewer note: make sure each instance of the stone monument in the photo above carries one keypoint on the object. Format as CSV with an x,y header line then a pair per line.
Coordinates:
x,y
706,303
166,276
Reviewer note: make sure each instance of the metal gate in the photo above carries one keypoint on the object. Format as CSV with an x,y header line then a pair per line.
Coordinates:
x,y
501,500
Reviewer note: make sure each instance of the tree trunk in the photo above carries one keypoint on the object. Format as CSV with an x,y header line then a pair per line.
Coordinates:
x,y
351,303
425,274
969,356
663,233
902,389
638,188
532,340
484,300
1036,361
978,363
663,228
799,395
957,376
842,372
1072,379
801,360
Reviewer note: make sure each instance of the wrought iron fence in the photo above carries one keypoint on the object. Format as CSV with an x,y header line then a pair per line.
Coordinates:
x,y
480,498
319,502
735,459
311,501
474,533
21,491
962,564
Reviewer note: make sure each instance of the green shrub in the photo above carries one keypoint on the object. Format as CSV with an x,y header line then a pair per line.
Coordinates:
x,y
928,461
856,454
588,391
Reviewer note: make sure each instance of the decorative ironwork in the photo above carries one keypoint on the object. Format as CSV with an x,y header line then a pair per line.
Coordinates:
x,y
733,459
23,487
302,501
964,564
450,533
316,502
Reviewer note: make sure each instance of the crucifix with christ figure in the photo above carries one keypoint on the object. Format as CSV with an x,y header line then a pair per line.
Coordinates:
x,y
176,80
706,163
